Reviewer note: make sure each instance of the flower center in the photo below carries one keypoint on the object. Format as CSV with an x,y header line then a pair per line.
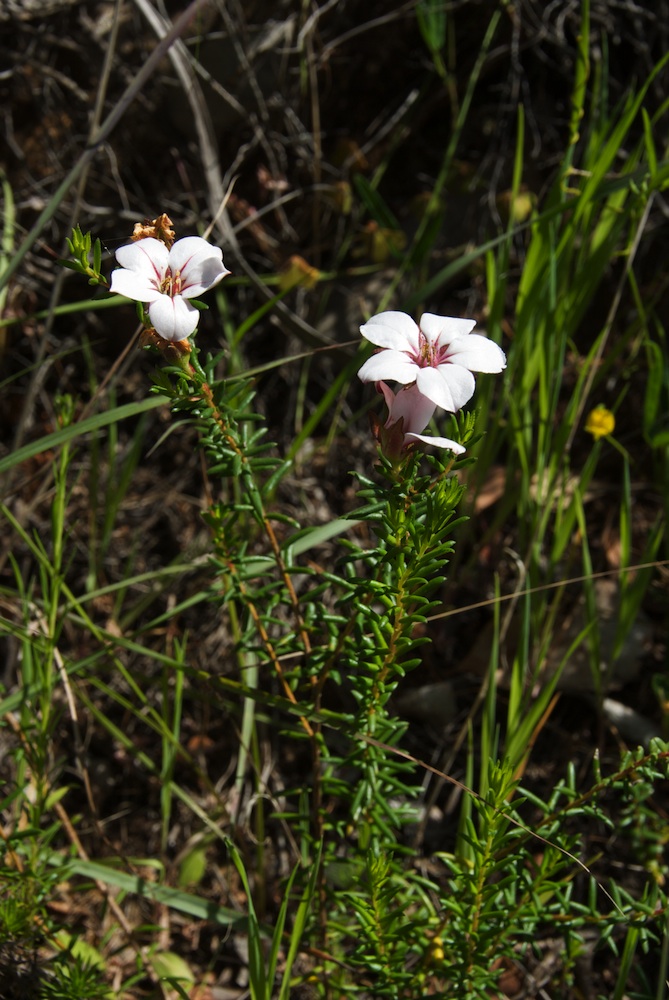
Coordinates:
x,y
171,283
427,352
430,353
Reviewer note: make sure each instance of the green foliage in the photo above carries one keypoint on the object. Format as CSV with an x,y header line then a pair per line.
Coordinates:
x,y
81,245
388,930
28,882
73,978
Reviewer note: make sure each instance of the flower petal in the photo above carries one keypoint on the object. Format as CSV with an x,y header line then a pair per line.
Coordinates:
x,y
394,365
394,330
438,442
174,318
412,406
447,328
200,263
133,285
148,257
388,395
191,249
449,386
477,353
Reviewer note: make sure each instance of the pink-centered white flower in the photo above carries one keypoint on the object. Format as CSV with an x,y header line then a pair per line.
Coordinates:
x,y
167,279
438,355
415,411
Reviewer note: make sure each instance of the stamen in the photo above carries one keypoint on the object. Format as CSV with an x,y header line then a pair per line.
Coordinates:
x,y
426,353
171,283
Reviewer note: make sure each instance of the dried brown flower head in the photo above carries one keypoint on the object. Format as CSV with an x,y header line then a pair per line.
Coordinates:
x,y
159,229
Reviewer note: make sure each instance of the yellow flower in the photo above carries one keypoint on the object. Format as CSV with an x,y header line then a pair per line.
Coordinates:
x,y
600,422
435,952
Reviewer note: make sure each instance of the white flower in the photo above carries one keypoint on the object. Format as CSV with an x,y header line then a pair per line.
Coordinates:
x,y
415,411
166,279
439,355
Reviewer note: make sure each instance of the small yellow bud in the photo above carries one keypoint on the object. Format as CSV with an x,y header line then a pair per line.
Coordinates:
x,y
340,197
378,244
600,422
516,208
298,272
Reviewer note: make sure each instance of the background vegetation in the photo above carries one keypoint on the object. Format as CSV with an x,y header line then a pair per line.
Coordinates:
x,y
242,754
